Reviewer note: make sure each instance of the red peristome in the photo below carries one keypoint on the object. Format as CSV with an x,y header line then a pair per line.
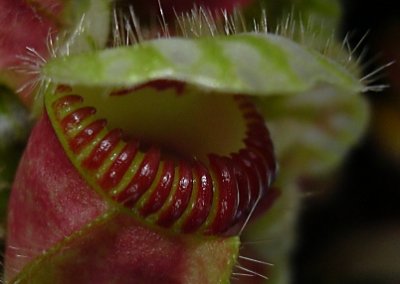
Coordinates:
x,y
204,190
161,191
77,117
142,180
65,103
231,185
259,165
87,135
181,197
61,231
245,194
228,195
119,167
252,174
104,148
259,140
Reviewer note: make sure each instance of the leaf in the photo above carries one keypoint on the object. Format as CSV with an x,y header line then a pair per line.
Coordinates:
x,y
252,64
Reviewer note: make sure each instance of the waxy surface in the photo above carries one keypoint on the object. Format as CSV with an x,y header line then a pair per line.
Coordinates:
x,y
55,219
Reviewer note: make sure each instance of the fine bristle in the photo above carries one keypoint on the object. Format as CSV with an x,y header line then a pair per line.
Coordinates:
x,y
126,30
204,22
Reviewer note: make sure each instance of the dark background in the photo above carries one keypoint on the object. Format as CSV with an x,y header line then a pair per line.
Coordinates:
x,y
351,233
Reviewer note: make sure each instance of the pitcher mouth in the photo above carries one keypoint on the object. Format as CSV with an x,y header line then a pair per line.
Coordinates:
x,y
174,158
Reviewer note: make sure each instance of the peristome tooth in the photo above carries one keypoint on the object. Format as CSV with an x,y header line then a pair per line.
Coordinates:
x,y
119,167
161,191
181,196
228,195
86,135
103,149
142,180
203,188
